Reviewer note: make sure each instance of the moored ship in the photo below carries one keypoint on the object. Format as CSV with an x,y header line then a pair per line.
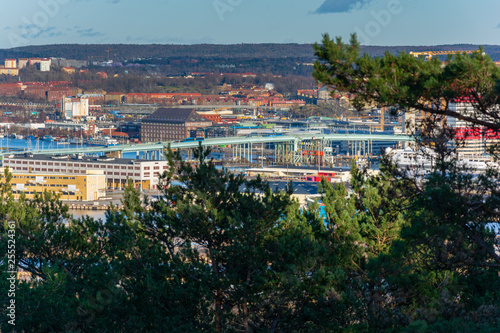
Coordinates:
x,y
408,158
103,141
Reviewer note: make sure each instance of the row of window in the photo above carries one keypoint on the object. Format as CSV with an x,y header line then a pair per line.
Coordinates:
x,y
102,166
34,177
107,173
163,125
48,185
147,174
33,192
95,166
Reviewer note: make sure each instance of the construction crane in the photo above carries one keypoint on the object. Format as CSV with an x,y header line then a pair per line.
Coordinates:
x,y
108,50
429,54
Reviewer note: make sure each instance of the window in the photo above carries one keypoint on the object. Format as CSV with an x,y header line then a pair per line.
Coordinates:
x,y
146,168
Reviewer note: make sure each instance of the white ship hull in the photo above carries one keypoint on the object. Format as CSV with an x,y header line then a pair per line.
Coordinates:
x,y
107,142
407,158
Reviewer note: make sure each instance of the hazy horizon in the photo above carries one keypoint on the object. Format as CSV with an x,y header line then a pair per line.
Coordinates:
x,y
229,22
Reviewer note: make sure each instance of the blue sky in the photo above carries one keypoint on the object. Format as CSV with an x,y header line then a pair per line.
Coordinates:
x,y
377,22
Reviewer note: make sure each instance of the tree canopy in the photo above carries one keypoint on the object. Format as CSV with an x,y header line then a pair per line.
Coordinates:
x,y
412,83
221,253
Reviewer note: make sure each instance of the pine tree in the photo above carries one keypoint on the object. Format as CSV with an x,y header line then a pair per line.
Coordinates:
x,y
441,266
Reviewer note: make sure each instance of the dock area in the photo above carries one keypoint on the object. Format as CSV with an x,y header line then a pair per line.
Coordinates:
x,y
100,206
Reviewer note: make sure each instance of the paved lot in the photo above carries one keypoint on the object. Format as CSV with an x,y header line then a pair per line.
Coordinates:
x,y
299,187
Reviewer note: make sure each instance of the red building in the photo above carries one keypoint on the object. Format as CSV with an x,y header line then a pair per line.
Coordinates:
x,y
158,98
10,89
57,94
214,118
38,91
103,75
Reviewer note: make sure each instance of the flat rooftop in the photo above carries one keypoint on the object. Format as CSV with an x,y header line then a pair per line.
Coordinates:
x,y
76,159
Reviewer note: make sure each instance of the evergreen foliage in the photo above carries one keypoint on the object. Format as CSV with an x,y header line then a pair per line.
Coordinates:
x,y
220,253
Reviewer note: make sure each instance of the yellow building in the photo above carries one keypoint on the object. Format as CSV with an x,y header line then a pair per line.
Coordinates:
x,y
8,71
87,187
114,97
68,70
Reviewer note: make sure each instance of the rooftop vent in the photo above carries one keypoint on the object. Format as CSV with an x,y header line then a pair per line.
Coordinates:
x,y
104,159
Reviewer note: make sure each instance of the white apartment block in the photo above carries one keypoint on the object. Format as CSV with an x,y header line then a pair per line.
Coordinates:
x,y
73,107
45,64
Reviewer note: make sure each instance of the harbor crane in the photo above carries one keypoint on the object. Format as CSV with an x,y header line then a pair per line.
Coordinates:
x,y
430,54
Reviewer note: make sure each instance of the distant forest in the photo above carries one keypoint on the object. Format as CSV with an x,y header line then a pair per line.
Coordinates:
x,y
278,59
